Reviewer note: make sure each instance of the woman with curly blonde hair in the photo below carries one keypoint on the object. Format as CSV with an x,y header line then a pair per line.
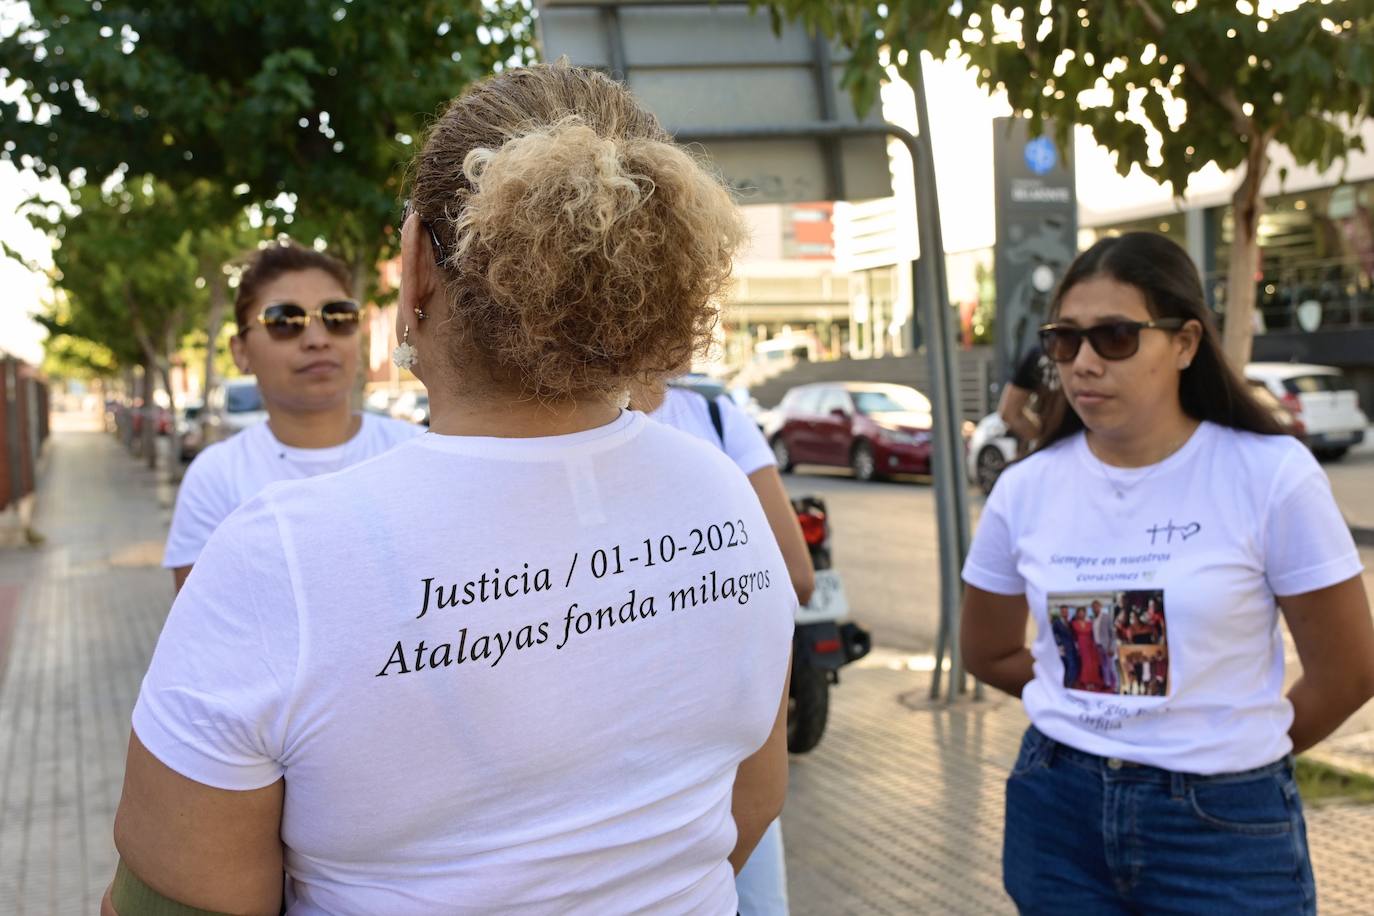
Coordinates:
x,y
534,661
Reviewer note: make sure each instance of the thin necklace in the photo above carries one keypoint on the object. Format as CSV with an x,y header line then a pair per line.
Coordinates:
x,y
1121,489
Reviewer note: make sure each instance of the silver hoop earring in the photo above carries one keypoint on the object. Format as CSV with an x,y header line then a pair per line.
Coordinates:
x,y
404,356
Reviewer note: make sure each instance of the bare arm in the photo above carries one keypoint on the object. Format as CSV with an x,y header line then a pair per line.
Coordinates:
x,y
210,848
761,786
1012,409
179,577
993,638
1335,641
778,509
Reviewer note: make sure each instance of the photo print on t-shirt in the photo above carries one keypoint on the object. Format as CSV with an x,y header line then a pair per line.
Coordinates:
x,y
1112,642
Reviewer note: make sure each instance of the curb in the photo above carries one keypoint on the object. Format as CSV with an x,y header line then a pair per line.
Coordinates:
x,y
1337,760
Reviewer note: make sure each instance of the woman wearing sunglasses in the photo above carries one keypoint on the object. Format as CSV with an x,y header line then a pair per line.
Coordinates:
x,y
534,662
298,334
1161,482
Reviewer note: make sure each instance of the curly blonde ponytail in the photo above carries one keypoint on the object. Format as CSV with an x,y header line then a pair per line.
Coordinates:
x,y
586,249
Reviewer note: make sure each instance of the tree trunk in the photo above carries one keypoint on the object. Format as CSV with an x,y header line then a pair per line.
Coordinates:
x,y
362,270
1246,207
164,364
152,359
219,304
148,441
362,278
164,369
123,420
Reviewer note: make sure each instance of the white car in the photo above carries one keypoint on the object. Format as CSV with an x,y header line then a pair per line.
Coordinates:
x,y
1322,401
990,449
380,401
235,404
412,406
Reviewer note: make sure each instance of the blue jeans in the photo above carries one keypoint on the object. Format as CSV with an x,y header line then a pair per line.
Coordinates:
x,y
1086,835
762,883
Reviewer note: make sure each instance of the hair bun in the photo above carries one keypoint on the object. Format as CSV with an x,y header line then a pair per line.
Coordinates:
x,y
583,261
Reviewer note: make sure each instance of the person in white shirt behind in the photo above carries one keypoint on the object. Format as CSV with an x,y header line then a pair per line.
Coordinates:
x,y
298,334
762,883
741,440
534,662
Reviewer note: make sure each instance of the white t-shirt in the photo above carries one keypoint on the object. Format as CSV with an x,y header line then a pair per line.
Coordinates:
x,y
229,473
561,736
1187,557
688,411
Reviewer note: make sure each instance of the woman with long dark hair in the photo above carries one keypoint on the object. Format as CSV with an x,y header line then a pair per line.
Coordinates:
x,y
1159,470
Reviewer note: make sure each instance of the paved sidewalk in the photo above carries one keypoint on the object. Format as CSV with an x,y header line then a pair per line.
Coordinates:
x,y
1352,481
897,812
90,604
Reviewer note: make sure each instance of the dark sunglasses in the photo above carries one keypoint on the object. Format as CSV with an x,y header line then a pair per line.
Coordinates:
x,y
285,320
1111,340
440,254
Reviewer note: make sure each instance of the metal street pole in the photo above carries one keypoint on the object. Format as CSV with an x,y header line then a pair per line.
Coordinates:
x,y
931,291
951,501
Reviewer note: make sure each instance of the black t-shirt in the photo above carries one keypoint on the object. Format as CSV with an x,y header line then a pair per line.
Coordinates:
x,y
1034,372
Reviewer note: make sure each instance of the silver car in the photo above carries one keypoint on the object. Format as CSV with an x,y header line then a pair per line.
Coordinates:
x,y
990,449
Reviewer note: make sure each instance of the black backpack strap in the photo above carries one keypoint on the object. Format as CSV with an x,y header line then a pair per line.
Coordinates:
x,y
714,408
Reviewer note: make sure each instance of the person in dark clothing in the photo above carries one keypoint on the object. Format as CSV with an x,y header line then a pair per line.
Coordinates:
x,y
1021,395
1068,645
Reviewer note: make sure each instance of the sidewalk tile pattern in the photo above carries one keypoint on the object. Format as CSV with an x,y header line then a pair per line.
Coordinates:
x,y
91,603
899,810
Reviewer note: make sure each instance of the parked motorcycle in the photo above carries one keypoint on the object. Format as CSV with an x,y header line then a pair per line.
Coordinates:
x,y
821,643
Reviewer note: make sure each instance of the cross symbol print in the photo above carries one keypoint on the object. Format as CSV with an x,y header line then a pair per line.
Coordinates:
x,y
1168,531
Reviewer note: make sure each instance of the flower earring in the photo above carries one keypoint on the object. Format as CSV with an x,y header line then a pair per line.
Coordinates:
x,y
404,355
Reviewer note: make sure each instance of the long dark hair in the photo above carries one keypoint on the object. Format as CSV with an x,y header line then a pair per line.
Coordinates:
x,y
1210,389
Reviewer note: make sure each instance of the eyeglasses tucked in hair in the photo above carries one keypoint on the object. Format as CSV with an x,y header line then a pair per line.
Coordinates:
x,y
1111,340
285,320
440,255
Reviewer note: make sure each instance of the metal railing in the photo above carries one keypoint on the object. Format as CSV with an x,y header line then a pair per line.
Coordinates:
x,y
1342,288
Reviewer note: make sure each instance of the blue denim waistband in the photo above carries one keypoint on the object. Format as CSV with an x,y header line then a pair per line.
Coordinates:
x,y
1048,750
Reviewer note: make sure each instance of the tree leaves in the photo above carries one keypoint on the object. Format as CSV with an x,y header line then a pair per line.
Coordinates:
x,y
1296,76
315,103
1167,90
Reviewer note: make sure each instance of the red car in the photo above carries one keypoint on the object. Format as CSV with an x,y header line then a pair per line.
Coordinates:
x,y
162,418
875,429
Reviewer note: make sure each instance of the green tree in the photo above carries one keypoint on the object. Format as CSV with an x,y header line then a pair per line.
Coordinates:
x,y
78,346
1169,86
67,357
307,108
128,274
91,340
221,232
